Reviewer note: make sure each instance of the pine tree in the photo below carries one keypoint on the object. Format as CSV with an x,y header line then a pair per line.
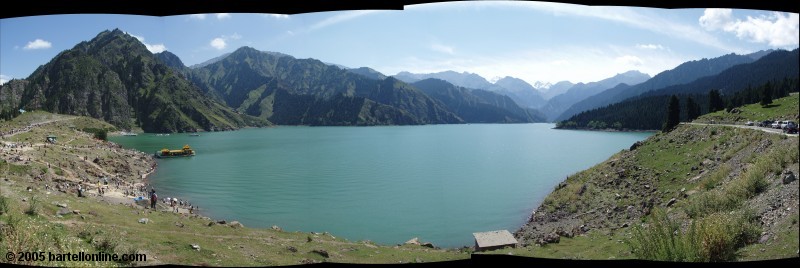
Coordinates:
x,y
766,94
692,109
715,102
673,114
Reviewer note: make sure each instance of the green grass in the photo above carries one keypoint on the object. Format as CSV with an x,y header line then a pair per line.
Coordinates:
x,y
785,108
594,245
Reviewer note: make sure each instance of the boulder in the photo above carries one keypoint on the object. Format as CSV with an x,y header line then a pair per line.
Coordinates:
x,y
321,252
636,145
412,241
788,177
144,220
427,245
549,238
236,224
195,247
671,202
63,211
276,228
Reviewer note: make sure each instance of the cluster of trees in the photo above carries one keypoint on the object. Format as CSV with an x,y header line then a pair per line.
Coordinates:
x,y
646,113
9,114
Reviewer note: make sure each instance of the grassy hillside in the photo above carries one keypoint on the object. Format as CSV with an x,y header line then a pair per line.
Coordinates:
x,y
717,192
780,109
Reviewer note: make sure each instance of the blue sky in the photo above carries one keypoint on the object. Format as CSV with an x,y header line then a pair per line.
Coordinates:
x,y
534,41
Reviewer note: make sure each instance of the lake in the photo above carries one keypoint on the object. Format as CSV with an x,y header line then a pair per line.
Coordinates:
x,y
440,183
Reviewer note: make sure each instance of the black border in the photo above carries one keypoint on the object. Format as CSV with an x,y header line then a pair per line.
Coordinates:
x,y
181,7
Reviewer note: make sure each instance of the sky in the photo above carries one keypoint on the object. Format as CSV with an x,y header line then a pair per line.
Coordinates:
x,y
534,41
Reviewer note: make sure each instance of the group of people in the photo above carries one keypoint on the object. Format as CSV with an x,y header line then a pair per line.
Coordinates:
x,y
174,203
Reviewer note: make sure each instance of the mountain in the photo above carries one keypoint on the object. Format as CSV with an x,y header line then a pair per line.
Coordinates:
x,y
647,111
11,95
115,78
475,105
213,60
170,60
465,79
520,91
684,73
293,91
368,73
578,92
557,89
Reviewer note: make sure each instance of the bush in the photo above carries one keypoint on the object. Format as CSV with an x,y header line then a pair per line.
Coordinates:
x,y
3,205
714,238
33,208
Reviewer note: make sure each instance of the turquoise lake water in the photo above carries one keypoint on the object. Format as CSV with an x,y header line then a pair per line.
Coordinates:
x,y
440,183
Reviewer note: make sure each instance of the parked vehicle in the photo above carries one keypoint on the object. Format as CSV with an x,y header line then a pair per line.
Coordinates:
x,y
765,123
785,123
776,124
749,123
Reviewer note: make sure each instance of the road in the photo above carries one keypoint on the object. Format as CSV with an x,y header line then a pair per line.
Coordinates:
x,y
770,130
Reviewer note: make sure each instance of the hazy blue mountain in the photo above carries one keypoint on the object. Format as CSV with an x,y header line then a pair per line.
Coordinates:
x,y
465,79
475,105
520,91
682,74
210,61
578,92
368,73
556,89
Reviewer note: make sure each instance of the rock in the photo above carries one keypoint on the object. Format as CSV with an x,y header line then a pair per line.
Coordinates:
x,y
412,241
418,260
236,224
567,234
625,225
321,252
788,177
671,202
144,220
694,168
63,211
582,189
76,212
549,238
211,223
763,239
276,228
707,162
647,186
291,248
195,247
584,228
309,239
222,222
179,224
427,245
636,145
61,205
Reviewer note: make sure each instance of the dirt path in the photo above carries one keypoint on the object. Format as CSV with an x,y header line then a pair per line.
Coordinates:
x,y
769,130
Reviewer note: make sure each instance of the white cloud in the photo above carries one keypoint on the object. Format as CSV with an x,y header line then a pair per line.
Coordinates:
x,y
38,44
222,16
649,46
153,48
442,48
341,17
218,43
716,18
234,36
630,60
4,79
777,29
276,16
198,16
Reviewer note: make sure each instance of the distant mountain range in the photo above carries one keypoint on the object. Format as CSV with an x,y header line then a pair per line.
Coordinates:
x,y
648,110
684,73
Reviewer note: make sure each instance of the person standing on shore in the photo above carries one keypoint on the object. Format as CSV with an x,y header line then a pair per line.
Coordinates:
x,y
153,199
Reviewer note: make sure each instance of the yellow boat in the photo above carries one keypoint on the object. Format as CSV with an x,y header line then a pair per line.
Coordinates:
x,y
186,151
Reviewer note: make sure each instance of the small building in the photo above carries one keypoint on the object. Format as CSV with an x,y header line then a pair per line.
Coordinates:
x,y
51,139
494,240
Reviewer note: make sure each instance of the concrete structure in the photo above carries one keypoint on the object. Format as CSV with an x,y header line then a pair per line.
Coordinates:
x,y
494,240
